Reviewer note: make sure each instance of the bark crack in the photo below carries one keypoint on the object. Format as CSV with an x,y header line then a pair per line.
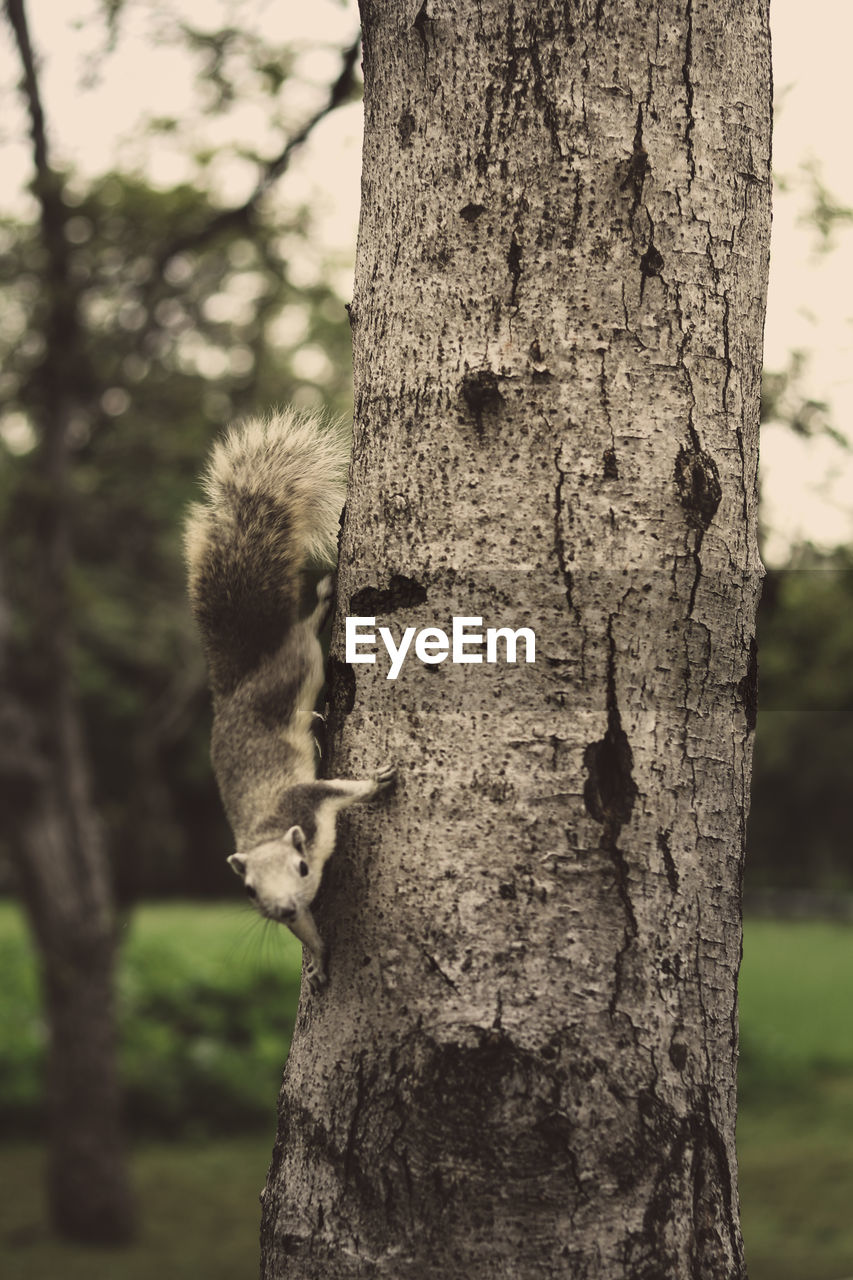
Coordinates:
x,y
686,71
419,24
436,968
559,541
605,397
668,861
697,478
638,166
609,794
514,264
541,95
738,425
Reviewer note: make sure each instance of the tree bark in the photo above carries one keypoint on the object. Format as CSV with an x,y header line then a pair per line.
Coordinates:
x,y
525,1063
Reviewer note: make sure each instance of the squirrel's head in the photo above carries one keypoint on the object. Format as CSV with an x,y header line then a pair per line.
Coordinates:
x,y
278,875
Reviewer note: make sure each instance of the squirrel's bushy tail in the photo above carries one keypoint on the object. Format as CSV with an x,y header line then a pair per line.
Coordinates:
x,y
275,488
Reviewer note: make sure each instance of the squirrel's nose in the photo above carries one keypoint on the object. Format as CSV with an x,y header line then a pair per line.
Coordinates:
x,y
286,914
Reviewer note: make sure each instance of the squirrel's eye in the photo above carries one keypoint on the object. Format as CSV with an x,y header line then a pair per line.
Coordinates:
x,y
303,867
251,892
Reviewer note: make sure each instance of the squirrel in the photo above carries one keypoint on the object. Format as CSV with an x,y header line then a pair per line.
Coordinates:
x,y
275,489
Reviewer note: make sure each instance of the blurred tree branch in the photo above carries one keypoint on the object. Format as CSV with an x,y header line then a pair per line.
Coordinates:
x,y
241,216
18,21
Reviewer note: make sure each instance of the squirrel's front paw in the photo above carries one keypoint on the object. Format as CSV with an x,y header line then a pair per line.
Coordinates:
x,y
386,776
316,976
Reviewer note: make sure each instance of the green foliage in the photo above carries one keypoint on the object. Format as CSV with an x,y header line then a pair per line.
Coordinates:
x,y
227,56
796,1171
783,400
207,1001
796,1099
826,213
798,835
207,1006
796,993
799,831
23,1032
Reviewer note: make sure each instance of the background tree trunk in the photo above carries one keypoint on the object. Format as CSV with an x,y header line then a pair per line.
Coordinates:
x,y
525,1062
64,879
63,871
58,846
57,841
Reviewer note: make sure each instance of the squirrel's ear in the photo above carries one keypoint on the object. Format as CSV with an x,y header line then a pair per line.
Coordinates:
x,y
237,864
297,836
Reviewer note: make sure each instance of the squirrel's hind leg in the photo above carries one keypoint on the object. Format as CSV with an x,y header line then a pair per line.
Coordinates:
x,y
325,600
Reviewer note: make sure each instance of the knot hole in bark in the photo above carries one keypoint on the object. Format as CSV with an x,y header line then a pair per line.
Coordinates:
x,y
698,480
481,394
611,464
610,791
651,263
401,593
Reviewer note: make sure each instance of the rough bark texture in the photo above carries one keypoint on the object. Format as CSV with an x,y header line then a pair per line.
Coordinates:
x,y
525,1063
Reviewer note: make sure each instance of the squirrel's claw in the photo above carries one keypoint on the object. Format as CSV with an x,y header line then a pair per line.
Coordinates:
x,y
385,776
317,978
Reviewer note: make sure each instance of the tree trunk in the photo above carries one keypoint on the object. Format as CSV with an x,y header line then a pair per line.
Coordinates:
x,y
525,1063
64,879
88,1190
57,839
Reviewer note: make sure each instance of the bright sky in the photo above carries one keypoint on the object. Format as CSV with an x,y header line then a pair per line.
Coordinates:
x,y
808,486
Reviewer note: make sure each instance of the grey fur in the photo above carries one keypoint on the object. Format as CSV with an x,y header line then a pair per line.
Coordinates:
x,y
274,489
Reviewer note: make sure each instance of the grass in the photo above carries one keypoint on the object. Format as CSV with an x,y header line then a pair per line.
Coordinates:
x,y
796,1182
207,1004
199,1216
795,1130
796,995
207,1000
